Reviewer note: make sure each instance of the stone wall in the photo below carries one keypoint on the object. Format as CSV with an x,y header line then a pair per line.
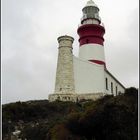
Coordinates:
x,y
75,97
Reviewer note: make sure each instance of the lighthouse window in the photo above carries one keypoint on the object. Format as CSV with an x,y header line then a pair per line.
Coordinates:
x,y
116,90
85,10
95,10
111,87
90,10
106,81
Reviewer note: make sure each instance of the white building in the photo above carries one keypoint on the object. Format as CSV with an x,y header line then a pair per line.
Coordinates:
x,y
86,76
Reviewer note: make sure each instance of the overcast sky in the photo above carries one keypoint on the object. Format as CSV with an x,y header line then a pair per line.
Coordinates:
x,y
30,29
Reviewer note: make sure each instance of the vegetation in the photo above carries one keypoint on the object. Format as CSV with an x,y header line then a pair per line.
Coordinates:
x,y
108,118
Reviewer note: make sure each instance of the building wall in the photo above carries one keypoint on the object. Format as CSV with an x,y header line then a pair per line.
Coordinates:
x,y
89,82
88,77
79,79
90,96
115,83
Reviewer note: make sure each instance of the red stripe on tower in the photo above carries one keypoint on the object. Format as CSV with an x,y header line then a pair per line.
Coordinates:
x,y
91,33
98,62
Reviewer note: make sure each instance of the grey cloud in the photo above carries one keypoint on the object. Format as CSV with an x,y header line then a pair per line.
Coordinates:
x,y
122,54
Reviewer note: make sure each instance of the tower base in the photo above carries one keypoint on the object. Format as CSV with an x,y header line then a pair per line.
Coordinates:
x,y
75,97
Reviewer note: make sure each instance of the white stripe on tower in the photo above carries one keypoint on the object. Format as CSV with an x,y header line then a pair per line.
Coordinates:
x,y
92,52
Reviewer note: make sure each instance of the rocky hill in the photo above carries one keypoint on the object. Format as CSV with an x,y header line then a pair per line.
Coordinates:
x,y
109,118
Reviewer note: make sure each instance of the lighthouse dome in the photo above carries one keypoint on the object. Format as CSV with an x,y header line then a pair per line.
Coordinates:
x,y
91,3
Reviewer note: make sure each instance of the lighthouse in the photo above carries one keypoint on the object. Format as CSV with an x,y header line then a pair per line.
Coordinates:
x,y
91,33
90,65
85,77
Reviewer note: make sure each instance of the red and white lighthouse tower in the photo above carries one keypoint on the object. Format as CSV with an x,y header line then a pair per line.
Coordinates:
x,y
91,35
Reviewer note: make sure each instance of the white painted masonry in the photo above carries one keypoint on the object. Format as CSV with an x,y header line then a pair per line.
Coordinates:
x,y
92,51
88,77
